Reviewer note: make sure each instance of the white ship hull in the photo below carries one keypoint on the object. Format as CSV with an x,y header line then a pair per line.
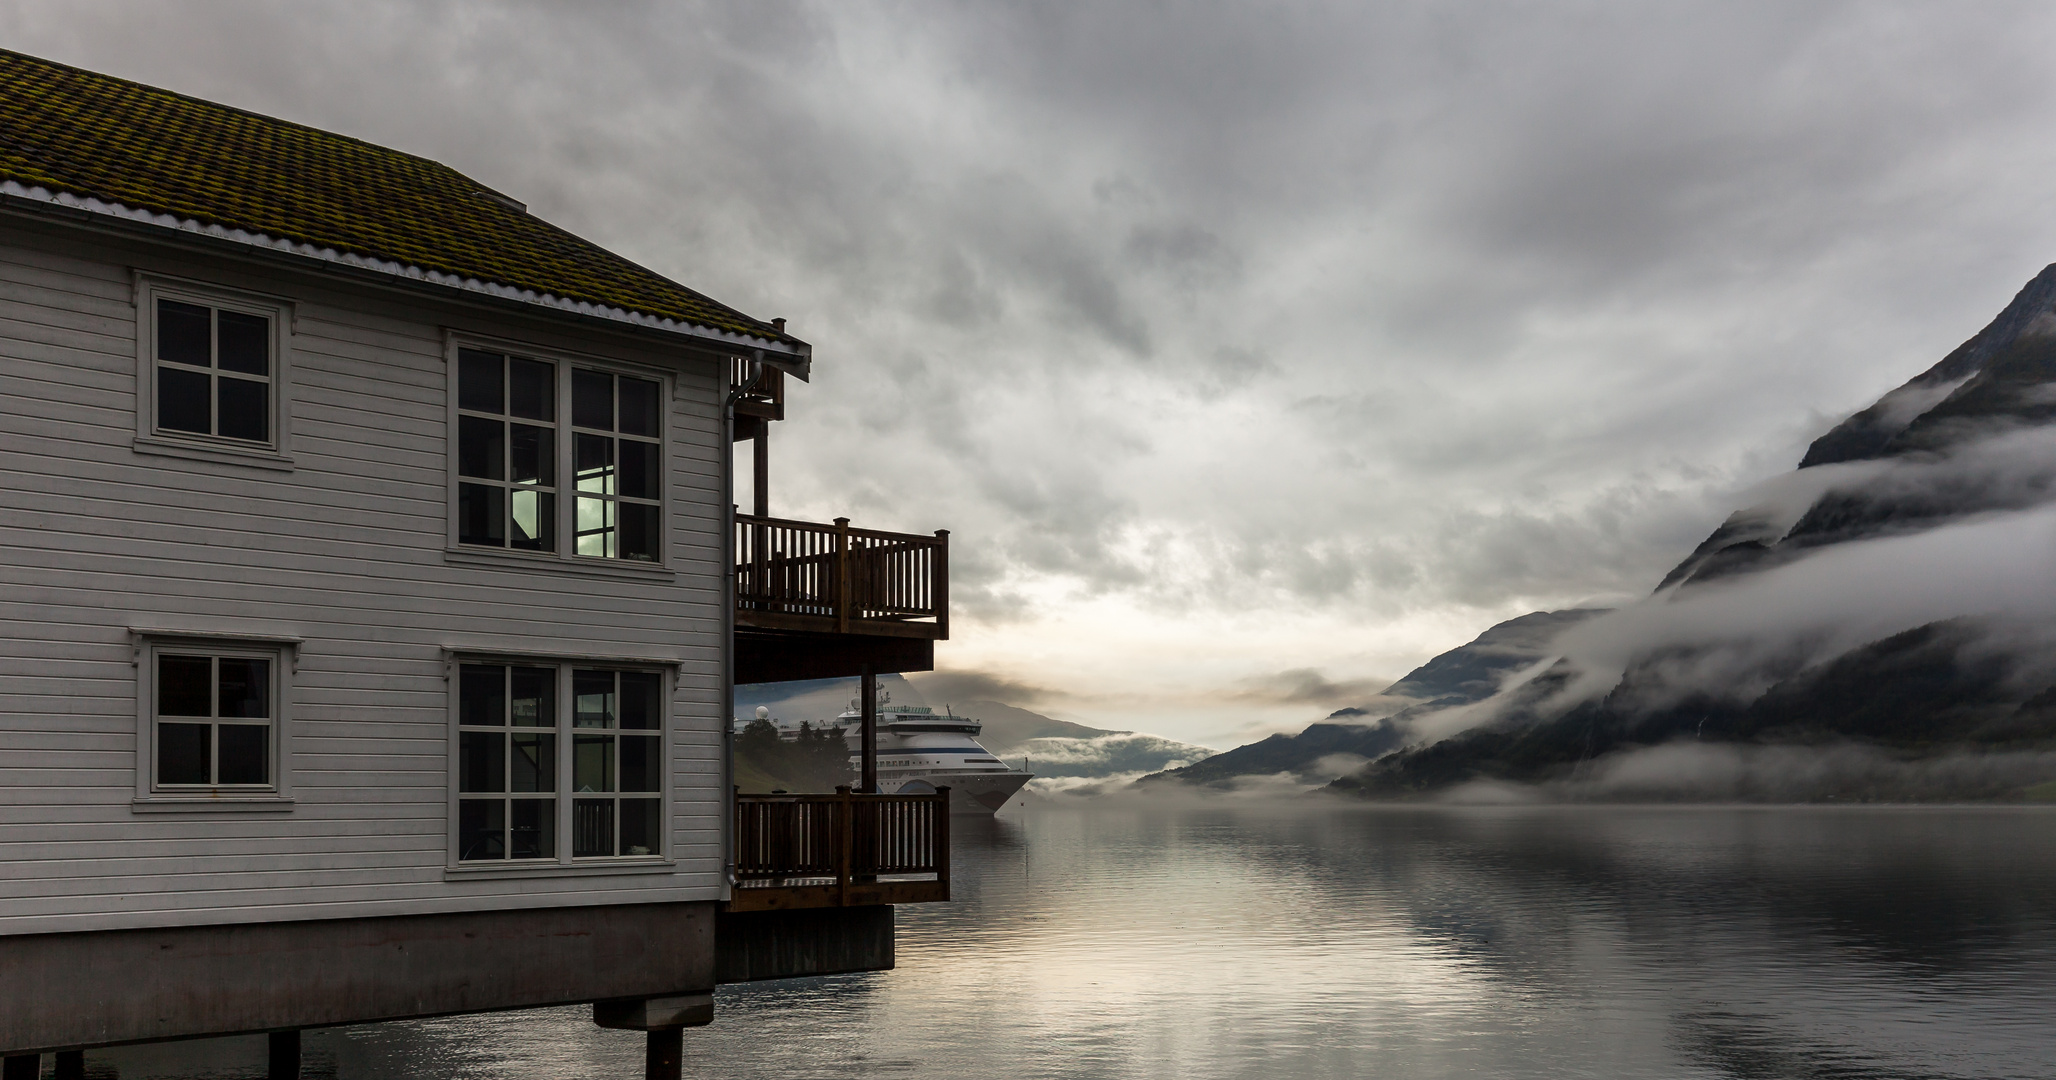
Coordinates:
x,y
969,793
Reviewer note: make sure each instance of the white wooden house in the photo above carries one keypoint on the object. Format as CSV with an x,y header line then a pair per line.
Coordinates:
x,y
366,616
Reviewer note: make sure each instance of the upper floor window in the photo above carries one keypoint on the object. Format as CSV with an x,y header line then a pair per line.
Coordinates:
x,y
619,462
514,440
213,369
506,451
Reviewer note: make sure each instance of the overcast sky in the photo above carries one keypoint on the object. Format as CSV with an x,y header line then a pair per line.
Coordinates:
x,y
1252,354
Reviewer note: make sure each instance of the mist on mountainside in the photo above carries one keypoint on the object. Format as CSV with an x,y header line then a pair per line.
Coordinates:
x,y
1349,737
1876,625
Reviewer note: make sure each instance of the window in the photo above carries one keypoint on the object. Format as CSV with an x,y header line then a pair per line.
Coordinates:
x,y
507,468
517,794
619,463
213,371
214,720
513,440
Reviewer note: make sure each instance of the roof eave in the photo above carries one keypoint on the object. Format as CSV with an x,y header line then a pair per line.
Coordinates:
x,y
786,353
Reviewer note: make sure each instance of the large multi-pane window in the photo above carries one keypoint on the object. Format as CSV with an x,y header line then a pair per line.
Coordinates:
x,y
514,439
506,451
213,723
517,793
618,463
213,371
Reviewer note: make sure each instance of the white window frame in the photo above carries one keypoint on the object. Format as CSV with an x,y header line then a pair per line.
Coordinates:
x,y
282,653
565,793
565,488
271,453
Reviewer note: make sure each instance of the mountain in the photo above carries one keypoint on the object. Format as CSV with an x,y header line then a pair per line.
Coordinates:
x,y
1889,605
1464,675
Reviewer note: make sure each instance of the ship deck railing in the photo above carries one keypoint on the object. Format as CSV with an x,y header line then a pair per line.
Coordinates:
x,y
839,850
806,576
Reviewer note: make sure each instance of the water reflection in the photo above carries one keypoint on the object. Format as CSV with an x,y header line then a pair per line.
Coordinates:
x,y
1350,941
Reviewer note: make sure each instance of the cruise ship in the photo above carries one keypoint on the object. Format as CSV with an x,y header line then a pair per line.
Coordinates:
x,y
921,750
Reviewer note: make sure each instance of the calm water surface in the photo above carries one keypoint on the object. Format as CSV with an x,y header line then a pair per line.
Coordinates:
x,y
1354,942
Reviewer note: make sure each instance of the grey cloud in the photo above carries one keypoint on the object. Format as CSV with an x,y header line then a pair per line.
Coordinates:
x,y
982,686
1370,309
1307,686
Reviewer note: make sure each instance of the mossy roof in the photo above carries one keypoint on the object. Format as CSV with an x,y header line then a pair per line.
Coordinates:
x,y
66,129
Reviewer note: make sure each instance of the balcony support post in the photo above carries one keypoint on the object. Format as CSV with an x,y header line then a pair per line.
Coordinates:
x,y
760,479
869,712
842,575
940,599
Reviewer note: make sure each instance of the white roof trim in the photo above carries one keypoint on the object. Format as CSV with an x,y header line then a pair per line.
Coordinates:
x,y
38,193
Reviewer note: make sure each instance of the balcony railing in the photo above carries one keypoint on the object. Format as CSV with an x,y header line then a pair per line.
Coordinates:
x,y
840,850
800,575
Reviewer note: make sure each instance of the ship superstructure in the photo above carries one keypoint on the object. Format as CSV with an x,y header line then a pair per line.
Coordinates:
x,y
920,750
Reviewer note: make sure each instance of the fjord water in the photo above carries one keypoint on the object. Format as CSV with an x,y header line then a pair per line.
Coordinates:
x,y
1126,940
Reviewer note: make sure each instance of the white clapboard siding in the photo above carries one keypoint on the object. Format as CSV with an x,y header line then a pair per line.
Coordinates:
x,y
346,551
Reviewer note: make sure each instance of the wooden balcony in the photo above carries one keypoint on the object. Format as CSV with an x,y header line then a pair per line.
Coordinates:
x,y
765,398
833,579
840,850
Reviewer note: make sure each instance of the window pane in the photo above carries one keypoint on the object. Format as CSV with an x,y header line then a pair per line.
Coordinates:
x,y
592,763
596,527
637,536
244,343
481,761
639,407
478,381
533,456
481,448
533,765
245,409
245,687
641,825
592,827
642,705
593,460
531,389
185,686
641,471
182,401
244,753
481,827
592,695
481,514
534,829
642,765
592,399
535,697
182,753
182,334
534,525
482,695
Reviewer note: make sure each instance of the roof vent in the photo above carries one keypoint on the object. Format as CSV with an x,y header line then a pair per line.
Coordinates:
x,y
503,200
